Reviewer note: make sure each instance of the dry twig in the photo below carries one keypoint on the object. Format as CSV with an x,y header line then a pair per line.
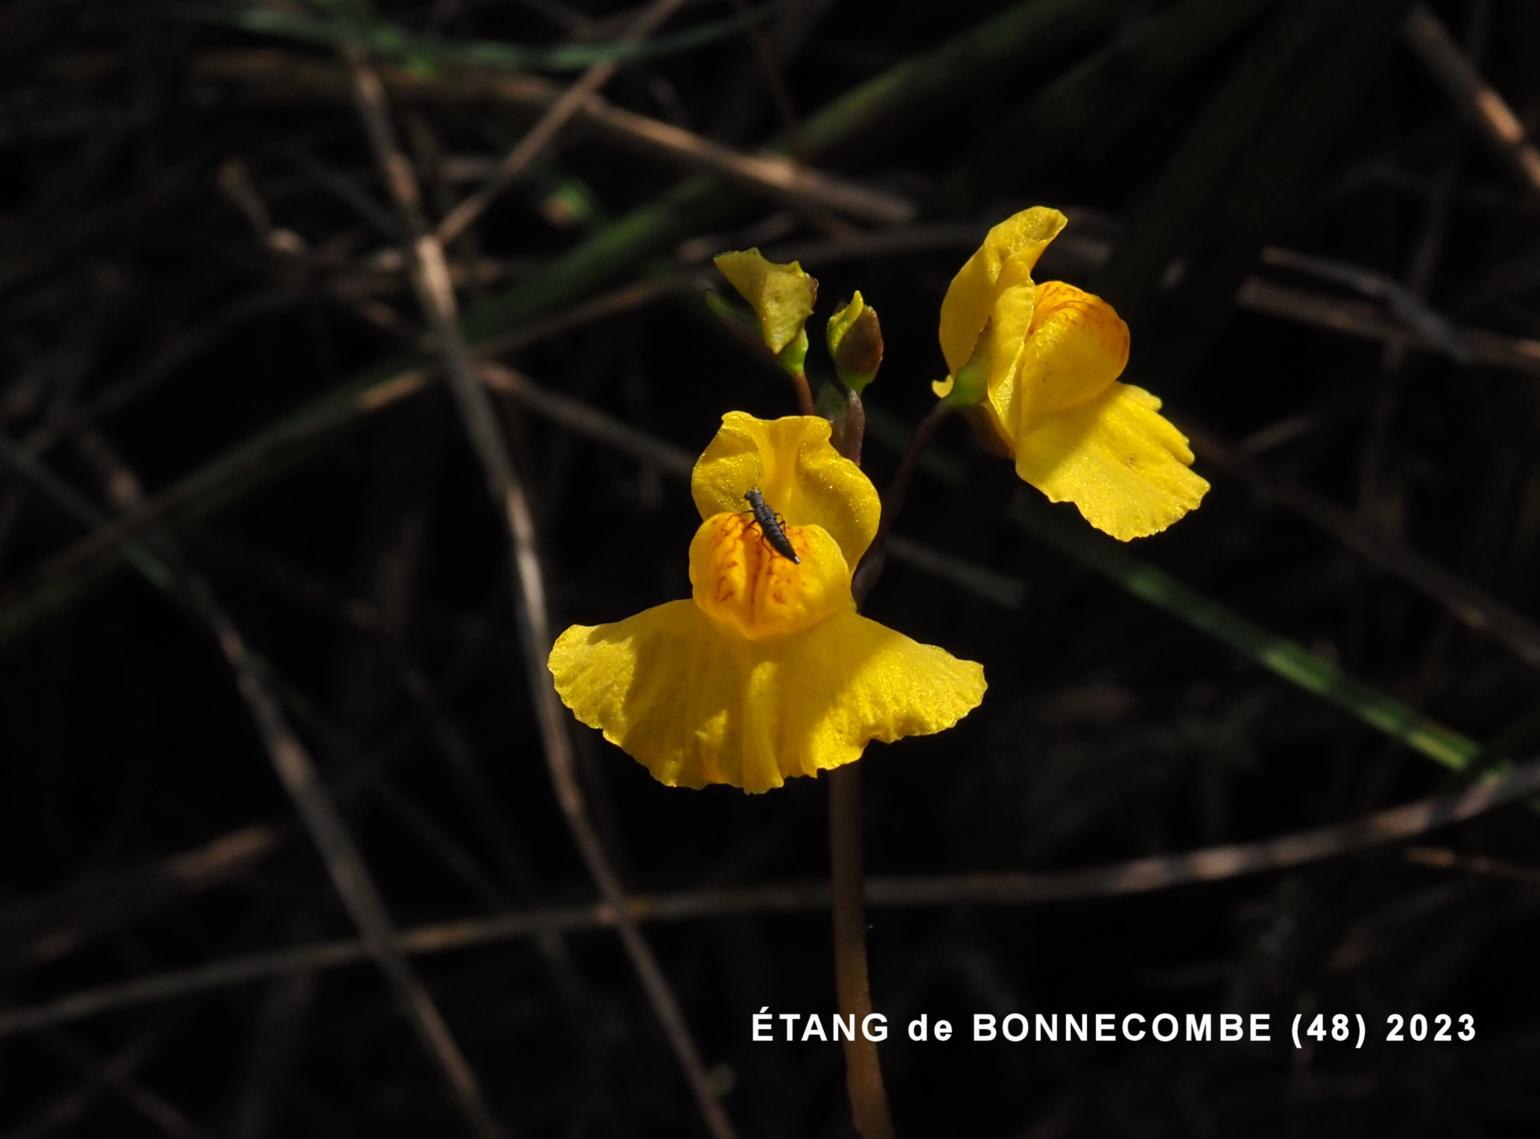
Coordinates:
x,y
297,774
1477,100
549,125
1472,606
430,280
1137,876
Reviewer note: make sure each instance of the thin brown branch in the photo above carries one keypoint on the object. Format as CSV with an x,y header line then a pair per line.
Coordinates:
x,y
1399,301
250,460
1369,322
775,176
65,1109
281,77
435,294
549,125
1476,99
1479,864
1402,319
1467,603
317,811
163,1115
1119,879
45,929
200,337
272,1049
35,932
769,73
344,863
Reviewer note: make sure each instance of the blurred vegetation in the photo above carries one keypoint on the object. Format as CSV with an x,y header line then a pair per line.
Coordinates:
x,y
222,411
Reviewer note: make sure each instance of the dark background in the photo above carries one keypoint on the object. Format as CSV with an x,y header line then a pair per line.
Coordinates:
x,y
197,281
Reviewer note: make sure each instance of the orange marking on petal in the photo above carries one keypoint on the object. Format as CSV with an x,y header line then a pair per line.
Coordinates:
x,y
758,590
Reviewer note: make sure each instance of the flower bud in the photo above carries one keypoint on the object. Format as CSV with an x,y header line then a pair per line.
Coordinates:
x,y
855,343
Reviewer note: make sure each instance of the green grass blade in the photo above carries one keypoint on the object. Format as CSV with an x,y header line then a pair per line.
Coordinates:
x,y
391,42
84,511
1024,36
1284,658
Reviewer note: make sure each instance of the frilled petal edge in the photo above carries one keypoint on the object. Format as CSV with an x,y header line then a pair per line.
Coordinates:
x,y
1117,459
801,475
697,704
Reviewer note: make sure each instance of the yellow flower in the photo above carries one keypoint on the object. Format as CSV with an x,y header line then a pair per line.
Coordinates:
x,y
1050,355
767,671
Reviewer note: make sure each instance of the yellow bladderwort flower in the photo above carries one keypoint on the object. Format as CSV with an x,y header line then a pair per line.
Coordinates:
x,y
767,672
1049,356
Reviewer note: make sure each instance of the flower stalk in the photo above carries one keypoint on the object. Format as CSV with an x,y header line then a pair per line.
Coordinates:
x,y
847,886
799,383
863,1069
871,566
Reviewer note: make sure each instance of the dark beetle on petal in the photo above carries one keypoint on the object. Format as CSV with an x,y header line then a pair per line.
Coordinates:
x,y
770,525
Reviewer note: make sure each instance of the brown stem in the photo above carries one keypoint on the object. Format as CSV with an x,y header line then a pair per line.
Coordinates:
x,y
863,1070
805,405
871,566
852,428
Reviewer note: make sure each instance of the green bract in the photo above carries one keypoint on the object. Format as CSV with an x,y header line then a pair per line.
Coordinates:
x,y
781,296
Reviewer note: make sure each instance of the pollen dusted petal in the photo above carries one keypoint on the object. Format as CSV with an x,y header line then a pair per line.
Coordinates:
x,y
741,580
801,475
1117,459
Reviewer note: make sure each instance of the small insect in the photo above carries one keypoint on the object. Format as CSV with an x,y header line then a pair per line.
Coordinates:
x,y
770,524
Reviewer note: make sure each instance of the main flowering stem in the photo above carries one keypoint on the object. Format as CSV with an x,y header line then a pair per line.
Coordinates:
x,y
863,1068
